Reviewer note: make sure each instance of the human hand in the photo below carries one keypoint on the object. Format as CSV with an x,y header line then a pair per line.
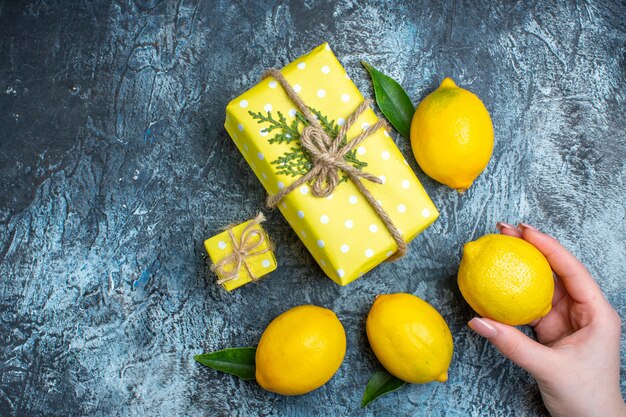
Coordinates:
x,y
576,362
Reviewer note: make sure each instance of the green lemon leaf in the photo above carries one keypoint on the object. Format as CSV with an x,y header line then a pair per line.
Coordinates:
x,y
236,361
392,100
381,383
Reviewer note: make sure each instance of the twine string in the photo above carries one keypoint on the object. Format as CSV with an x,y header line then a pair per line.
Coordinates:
x,y
243,248
328,157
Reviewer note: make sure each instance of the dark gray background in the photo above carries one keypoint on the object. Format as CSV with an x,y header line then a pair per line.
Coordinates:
x,y
114,167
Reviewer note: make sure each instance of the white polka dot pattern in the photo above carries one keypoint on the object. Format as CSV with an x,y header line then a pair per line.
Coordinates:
x,y
341,231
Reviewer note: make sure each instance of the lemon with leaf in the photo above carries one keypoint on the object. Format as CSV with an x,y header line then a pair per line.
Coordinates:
x,y
299,351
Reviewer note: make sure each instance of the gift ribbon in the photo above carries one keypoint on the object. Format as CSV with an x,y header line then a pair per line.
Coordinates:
x,y
243,248
327,156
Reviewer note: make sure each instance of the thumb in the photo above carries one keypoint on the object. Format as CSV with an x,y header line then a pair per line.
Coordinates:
x,y
515,345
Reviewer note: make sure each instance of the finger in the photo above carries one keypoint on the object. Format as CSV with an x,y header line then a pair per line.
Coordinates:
x,y
557,324
559,293
559,290
508,229
576,279
514,344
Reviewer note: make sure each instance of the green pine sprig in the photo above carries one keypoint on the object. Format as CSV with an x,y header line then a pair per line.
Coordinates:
x,y
297,162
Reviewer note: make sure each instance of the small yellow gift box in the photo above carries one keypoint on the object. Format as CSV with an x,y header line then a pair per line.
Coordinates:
x,y
241,254
343,231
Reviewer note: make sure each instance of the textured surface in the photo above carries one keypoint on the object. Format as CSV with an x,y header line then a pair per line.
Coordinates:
x,y
114,167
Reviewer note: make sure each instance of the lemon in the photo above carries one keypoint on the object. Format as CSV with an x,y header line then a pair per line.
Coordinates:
x,y
410,338
300,350
506,279
452,135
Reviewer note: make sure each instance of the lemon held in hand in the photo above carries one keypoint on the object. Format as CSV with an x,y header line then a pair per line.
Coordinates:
x,y
506,279
300,350
452,135
410,338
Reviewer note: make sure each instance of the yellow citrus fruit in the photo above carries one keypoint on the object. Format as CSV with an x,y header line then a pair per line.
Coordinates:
x,y
300,350
506,279
452,135
409,338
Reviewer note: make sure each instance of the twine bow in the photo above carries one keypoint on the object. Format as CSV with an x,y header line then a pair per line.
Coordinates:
x,y
328,157
243,248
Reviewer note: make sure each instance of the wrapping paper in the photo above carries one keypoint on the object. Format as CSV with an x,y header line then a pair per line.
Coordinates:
x,y
342,232
221,245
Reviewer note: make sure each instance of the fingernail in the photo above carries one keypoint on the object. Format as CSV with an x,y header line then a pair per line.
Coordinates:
x,y
524,226
502,225
481,327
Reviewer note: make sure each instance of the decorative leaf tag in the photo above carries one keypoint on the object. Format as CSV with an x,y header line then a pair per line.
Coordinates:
x,y
381,383
392,100
236,361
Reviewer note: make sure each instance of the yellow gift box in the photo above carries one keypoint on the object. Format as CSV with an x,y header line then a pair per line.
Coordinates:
x,y
343,232
247,243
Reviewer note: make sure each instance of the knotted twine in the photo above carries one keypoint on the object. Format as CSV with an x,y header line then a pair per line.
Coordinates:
x,y
327,156
243,248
